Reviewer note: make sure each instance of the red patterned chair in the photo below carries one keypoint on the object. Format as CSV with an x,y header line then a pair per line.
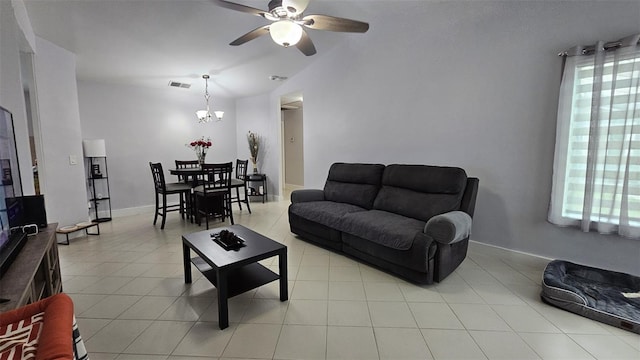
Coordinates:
x,y
44,328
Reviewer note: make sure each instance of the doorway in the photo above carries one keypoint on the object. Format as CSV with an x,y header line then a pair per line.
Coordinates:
x,y
292,126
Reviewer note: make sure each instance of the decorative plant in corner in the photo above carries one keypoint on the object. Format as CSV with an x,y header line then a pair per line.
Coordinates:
x,y
254,148
200,146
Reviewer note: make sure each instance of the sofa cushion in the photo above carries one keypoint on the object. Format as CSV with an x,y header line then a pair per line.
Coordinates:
x,y
415,264
355,184
56,334
327,213
19,340
420,191
383,228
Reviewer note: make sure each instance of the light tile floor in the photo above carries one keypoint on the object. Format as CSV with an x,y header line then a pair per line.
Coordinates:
x,y
131,303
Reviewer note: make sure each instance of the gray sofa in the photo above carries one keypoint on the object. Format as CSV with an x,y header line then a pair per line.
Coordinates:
x,y
411,220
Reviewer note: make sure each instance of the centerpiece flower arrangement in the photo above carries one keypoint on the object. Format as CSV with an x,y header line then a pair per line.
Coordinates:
x,y
254,148
200,146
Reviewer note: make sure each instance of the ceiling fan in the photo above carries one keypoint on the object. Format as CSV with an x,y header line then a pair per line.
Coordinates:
x,y
288,22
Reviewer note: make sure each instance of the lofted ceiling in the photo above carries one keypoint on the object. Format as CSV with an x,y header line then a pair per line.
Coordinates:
x,y
152,42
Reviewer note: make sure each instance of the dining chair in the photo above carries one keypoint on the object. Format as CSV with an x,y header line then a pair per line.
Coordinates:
x,y
239,182
163,189
191,180
213,197
186,164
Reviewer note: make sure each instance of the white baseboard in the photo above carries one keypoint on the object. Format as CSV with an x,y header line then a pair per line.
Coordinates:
x,y
510,250
133,211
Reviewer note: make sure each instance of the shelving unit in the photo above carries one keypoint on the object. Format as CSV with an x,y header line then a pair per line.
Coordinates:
x,y
257,184
99,193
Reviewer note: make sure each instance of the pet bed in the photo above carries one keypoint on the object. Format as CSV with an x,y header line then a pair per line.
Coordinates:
x,y
602,295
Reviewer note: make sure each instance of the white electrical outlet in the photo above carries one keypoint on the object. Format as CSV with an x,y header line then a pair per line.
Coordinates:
x,y
73,160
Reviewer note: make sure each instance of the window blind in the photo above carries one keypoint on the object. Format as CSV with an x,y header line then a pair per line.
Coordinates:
x,y
597,183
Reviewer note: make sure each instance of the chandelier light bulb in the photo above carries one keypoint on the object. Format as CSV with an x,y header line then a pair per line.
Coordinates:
x,y
285,32
203,116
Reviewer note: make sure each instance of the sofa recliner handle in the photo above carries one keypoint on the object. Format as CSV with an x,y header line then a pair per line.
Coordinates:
x,y
449,227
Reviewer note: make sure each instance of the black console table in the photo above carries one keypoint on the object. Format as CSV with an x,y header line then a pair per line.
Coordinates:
x,y
261,189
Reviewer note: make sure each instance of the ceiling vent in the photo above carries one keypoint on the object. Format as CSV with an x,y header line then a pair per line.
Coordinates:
x,y
277,78
179,84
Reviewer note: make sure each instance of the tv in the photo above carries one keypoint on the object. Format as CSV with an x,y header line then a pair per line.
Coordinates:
x,y
12,238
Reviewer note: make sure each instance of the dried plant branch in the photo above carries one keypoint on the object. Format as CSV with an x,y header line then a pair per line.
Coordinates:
x,y
254,145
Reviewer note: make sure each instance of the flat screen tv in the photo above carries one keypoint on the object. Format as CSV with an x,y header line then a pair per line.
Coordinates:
x,y
10,188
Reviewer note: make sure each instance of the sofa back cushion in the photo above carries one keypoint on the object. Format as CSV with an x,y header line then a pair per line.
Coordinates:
x,y
355,184
420,191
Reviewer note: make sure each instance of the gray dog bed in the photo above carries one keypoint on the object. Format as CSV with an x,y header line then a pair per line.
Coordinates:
x,y
602,295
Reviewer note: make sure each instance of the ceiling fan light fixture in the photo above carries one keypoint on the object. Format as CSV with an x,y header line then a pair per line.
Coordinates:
x,y
295,7
289,23
285,32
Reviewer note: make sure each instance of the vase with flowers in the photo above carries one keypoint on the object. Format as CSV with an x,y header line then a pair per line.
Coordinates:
x,y
254,148
200,146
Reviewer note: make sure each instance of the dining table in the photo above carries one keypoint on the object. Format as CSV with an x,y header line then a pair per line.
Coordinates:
x,y
195,174
189,174
195,177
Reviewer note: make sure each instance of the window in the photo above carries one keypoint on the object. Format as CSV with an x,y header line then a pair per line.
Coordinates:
x,y
596,182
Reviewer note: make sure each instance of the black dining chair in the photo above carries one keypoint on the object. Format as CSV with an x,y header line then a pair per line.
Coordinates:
x,y
191,180
213,197
162,189
240,182
186,164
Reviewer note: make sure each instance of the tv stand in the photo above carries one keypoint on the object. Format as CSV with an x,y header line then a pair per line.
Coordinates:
x,y
35,272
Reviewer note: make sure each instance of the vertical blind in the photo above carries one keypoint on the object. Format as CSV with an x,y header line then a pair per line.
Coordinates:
x,y
596,182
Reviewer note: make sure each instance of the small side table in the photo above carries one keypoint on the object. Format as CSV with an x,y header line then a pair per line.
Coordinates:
x,y
261,190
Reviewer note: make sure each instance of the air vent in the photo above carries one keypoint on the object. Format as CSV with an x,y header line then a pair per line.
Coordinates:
x,y
179,84
277,78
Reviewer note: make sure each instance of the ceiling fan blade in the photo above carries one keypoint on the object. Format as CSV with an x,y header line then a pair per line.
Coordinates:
x,y
332,23
306,45
263,30
239,7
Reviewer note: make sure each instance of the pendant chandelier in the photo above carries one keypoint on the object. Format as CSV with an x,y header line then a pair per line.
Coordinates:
x,y
204,116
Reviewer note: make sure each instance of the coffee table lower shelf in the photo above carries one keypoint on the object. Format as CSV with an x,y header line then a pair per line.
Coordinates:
x,y
239,280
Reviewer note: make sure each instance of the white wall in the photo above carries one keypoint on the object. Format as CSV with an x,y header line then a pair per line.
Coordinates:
x,y
468,84
142,125
62,184
11,95
253,114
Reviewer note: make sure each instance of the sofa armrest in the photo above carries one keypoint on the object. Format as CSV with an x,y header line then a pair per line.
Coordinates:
x,y
56,337
449,227
306,195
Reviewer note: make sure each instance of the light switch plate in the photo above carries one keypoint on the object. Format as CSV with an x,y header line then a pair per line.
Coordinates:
x,y
73,160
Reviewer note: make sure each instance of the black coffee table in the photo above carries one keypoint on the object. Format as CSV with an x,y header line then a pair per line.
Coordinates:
x,y
233,272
